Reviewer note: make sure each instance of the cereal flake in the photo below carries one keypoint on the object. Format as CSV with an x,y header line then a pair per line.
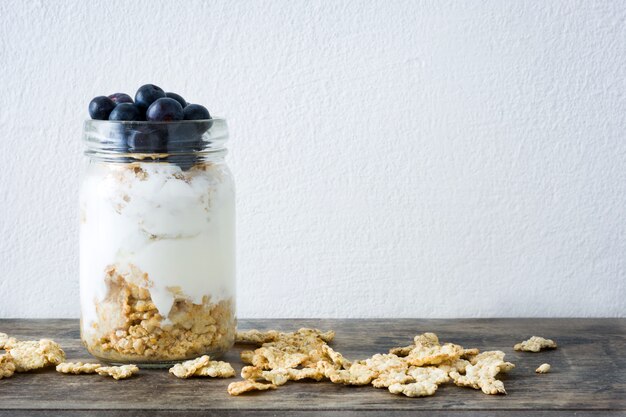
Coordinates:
x,y
481,373
34,354
335,357
216,369
189,368
357,374
7,366
118,372
256,337
6,341
77,368
386,379
428,351
272,357
427,380
280,376
240,387
535,344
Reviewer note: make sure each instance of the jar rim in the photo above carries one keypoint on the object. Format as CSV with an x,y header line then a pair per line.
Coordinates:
x,y
161,141
145,122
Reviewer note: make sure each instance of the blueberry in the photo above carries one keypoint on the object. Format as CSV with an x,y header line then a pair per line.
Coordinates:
x,y
147,139
185,162
178,98
183,137
125,111
164,110
115,137
100,108
196,112
119,98
148,94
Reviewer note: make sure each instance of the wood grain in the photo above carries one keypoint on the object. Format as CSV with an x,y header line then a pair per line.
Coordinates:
x,y
588,375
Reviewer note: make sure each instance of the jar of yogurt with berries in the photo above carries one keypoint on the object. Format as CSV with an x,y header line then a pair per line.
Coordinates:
x,y
157,231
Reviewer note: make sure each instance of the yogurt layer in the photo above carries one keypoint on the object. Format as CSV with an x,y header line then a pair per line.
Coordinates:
x,y
178,227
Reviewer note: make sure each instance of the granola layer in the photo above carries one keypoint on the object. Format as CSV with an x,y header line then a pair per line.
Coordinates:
x,y
129,327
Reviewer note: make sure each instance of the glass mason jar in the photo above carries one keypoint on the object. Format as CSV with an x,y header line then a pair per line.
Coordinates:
x,y
157,241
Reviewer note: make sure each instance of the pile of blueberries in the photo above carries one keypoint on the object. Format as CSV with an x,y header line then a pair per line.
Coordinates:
x,y
176,137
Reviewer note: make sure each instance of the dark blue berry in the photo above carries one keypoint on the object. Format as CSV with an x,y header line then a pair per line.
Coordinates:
x,y
126,111
196,112
148,94
178,98
100,108
147,139
164,110
119,98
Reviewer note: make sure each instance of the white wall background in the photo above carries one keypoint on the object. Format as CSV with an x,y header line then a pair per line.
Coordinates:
x,y
393,158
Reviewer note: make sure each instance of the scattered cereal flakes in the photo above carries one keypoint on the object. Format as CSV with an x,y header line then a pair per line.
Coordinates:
x,y
458,365
391,369
271,358
357,374
469,353
118,372
402,350
481,373
34,354
239,387
428,351
77,368
427,380
247,356
335,357
256,337
251,372
4,338
327,336
431,340
429,373
535,344
414,389
308,342
544,368
383,362
427,338
7,366
216,369
280,376
386,379
189,368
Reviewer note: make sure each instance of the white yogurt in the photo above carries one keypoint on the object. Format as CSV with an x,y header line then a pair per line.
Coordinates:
x,y
177,227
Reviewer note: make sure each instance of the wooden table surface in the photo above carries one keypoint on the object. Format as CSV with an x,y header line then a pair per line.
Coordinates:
x,y
588,375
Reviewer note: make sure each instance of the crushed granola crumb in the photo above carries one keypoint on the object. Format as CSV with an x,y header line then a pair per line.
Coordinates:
x,y
544,368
